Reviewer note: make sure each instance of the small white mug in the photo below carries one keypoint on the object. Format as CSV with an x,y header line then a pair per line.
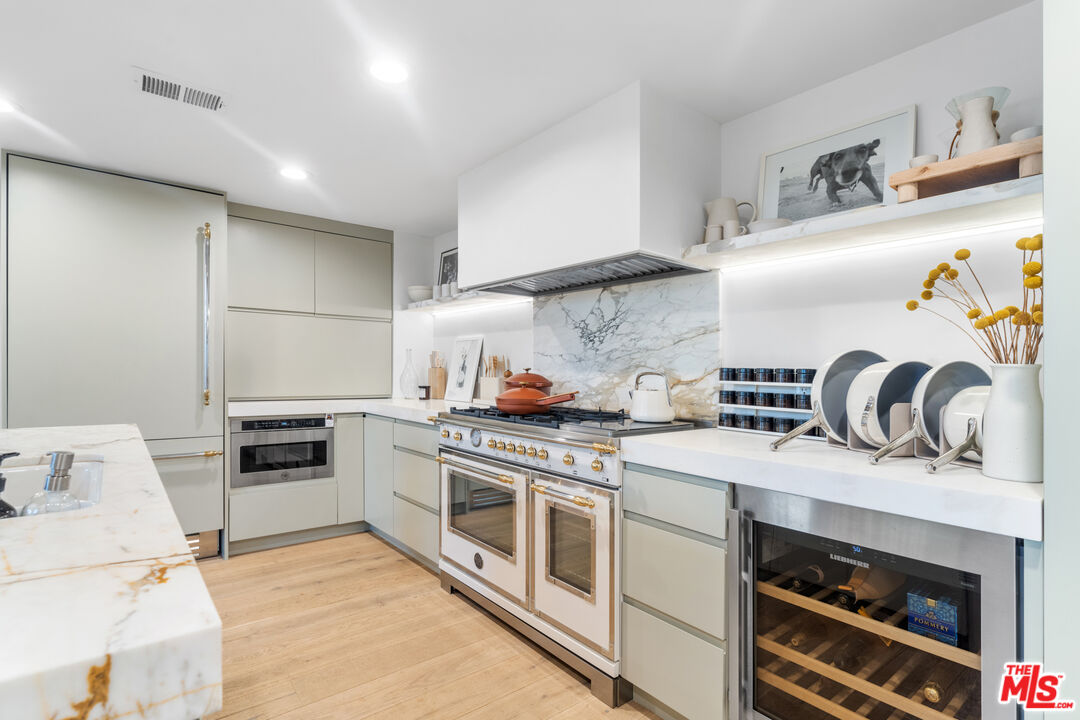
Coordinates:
x,y
732,229
453,288
714,233
436,292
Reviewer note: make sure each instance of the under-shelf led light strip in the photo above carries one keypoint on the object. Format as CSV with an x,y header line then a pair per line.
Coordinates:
x,y
487,305
1026,226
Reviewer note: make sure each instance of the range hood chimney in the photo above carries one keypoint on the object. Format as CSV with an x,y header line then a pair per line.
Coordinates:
x,y
610,195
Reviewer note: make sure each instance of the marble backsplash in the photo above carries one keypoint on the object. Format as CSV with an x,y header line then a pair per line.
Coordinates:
x,y
597,341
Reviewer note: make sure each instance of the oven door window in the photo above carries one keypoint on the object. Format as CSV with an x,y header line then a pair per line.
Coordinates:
x,y
570,557
484,512
282,456
848,631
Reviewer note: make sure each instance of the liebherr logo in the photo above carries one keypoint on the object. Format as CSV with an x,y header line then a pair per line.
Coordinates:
x,y
1026,684
849,561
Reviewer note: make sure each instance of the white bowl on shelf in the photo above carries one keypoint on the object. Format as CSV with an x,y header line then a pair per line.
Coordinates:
x,y
419,293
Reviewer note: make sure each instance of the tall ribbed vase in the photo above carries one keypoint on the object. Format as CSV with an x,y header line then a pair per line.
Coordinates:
x,y
410,381
1012,434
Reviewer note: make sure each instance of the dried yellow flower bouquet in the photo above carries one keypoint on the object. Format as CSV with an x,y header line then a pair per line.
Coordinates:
x,y
1011,335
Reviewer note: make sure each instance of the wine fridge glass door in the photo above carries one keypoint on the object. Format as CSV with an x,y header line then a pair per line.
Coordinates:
x,y
843,630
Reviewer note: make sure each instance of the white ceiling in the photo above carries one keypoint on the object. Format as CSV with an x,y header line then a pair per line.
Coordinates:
x,y
485,74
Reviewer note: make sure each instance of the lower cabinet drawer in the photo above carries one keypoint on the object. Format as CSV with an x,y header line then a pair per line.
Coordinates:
x,y
417,478
194,482
266,510
680,670
421,439
417,528
679,576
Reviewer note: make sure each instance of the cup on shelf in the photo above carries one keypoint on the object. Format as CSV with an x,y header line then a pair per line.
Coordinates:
x,y
453,288
713,233
436,292
732,229
445,289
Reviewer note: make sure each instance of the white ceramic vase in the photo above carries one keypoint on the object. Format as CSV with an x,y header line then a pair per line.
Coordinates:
x,y
1012,434
410,381
978,131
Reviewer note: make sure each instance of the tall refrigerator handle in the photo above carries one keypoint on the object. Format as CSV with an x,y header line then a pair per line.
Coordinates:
x,y
206,314
736,611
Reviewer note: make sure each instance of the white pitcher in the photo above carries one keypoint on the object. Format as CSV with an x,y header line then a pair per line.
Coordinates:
x,y
723,209
977,131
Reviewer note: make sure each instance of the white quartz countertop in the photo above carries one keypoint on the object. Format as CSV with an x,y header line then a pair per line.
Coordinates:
x,y
955,495
410,410
105,613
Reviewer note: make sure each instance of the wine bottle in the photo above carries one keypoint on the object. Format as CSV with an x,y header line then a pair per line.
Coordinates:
x,y
809,635
867,584
852,654
820,574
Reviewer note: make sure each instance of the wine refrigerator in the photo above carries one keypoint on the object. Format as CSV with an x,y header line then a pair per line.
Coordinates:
x,y
848,613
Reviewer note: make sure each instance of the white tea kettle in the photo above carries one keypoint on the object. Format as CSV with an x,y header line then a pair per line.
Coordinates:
x,y
651,405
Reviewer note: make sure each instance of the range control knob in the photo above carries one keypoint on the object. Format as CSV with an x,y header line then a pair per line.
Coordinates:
x,y
542,454
521,449
445,433
491,443
568,459
597,464
531,451
501,445
510,447
457,436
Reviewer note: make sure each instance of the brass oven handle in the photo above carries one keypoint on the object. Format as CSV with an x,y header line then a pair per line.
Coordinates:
x,y
179,456
206,314
433,420
505,479
576,499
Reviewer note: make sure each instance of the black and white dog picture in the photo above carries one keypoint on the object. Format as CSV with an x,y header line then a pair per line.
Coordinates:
x,y
842,171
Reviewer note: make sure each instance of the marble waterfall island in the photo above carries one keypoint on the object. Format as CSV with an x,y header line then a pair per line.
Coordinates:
x,y
105,613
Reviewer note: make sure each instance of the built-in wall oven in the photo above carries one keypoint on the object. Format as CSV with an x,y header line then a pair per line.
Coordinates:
x,y
849,613
277,450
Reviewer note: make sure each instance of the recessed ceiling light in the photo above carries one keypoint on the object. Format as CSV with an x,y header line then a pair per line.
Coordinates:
x,y
294,173
390,71
5,106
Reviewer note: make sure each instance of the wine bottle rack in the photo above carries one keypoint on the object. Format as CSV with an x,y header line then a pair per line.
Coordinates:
x,y
889,684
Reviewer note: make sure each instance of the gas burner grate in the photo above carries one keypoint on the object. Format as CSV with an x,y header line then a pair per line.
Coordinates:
x,y
553,419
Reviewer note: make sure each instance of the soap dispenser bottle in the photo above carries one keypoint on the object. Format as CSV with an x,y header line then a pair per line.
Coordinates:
x,y
54,497
6,509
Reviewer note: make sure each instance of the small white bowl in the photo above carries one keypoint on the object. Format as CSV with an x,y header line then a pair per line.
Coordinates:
x,y
1027,133
419,293
768,224
920,160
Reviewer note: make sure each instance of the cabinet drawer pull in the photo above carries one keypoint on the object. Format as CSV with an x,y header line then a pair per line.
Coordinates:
x,y
180,456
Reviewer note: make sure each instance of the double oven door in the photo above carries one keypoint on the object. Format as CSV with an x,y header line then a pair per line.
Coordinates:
x,y
546,543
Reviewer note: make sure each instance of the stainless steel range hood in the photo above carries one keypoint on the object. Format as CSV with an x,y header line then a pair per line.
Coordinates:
x,y
634,267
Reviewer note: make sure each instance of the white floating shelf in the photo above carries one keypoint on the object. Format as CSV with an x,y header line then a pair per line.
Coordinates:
x,y
1013,202
733,406
465,300
773,434
751,383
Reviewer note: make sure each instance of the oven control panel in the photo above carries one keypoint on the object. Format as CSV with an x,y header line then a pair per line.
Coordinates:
x,y
584,462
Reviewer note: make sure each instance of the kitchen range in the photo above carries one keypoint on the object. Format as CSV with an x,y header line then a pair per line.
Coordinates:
x,y
530,524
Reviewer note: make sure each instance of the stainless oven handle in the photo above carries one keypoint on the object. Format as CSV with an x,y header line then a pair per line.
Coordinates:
x,y
576,499
206,315
505,479
179,456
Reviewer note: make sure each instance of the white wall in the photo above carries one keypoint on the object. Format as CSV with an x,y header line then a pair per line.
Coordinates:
x,y
799,313
1004,50
412,262
1062,253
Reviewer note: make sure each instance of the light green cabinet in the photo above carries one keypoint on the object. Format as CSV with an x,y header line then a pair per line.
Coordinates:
x,y
271,266
264,510
352,276
277,355
416,477
674,570
349,467
379,473
416,528
195,482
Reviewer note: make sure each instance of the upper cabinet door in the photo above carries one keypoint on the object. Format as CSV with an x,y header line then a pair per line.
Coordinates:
x,y
271,266
353,276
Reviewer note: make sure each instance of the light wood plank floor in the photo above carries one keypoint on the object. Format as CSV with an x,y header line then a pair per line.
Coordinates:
x,y
350,628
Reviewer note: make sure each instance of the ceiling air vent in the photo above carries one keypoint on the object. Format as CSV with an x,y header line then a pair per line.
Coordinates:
x,y
155,84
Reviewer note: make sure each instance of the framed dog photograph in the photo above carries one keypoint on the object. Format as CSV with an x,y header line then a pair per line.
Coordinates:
x,y
462,367
841,171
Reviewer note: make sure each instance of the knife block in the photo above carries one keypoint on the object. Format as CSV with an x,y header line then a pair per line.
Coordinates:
x,y
437,381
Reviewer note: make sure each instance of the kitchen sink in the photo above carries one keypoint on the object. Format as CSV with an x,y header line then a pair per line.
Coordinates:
x,y
25,480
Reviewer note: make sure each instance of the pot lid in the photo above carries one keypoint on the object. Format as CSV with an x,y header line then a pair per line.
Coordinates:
x,y
528,379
